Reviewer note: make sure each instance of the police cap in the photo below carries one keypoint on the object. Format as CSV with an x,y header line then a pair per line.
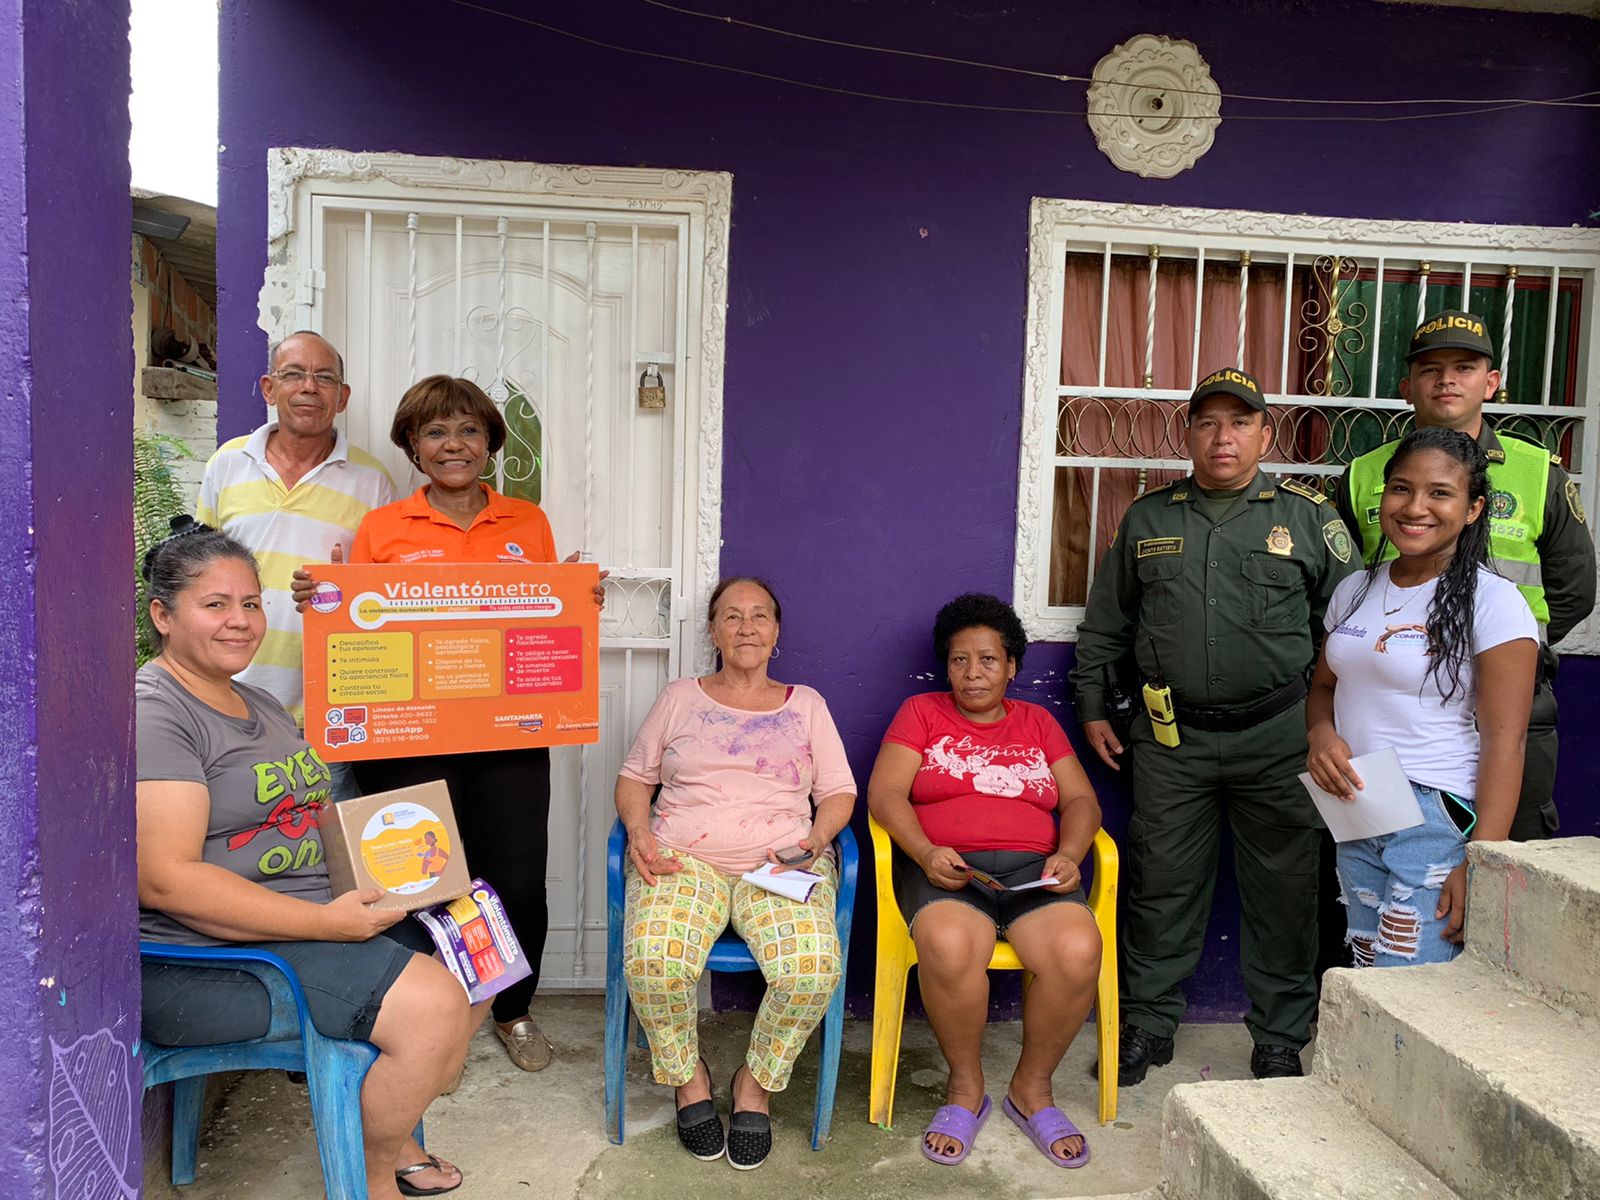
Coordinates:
x,y
1230,381
1452,329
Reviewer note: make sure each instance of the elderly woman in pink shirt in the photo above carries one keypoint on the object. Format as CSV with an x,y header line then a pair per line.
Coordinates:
x,y
739,759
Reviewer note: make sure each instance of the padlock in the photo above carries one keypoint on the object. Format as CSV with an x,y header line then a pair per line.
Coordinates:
x,y
652,395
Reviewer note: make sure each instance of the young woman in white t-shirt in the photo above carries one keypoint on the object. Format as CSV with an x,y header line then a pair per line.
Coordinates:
x,y
1431,653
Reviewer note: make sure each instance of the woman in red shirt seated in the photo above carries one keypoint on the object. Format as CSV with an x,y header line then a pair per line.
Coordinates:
x,y
969,780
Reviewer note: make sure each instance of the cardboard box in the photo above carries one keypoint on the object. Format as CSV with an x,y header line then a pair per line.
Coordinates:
x,y
477,942
405,842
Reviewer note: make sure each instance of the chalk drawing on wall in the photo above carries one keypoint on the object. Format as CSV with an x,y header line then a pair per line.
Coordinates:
x,y
91,1118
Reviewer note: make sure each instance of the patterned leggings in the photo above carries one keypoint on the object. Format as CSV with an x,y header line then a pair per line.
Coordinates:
x,y
672,927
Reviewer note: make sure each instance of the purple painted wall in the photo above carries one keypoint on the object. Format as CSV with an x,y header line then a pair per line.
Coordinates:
x,y
878,252
69,1000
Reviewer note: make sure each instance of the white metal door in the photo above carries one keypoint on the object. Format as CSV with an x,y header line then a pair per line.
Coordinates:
x,y
555,313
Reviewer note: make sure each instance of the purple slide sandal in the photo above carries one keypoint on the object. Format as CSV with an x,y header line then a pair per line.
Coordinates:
x,y
1045,1128
953,1121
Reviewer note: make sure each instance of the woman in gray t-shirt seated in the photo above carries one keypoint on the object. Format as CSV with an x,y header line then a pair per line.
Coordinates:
x,y
229,852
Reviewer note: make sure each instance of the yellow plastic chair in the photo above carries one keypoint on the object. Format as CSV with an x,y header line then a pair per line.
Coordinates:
x,y
897,954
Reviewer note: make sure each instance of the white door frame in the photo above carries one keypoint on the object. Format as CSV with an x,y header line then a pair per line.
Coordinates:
x,y
291,292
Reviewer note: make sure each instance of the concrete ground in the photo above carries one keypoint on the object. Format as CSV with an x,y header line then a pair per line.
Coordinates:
x,y
543,1135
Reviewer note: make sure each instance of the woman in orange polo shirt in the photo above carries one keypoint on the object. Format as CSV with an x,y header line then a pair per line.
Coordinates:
x,y
450,429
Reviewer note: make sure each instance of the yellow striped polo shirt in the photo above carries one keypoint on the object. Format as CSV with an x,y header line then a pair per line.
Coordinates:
x,y
285,528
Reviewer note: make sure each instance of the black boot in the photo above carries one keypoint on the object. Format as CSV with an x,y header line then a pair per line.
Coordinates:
x,y
1275,1062
1140,1050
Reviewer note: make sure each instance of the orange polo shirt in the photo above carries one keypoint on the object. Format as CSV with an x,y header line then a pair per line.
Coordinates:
x,y
410,531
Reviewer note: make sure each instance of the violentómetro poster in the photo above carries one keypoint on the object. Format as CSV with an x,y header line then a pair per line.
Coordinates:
x,y
439,658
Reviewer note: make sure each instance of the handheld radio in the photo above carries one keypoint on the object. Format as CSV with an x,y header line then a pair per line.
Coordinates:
x,y
1158,705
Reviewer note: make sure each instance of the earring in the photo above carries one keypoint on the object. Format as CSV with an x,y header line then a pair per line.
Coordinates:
x,y
774,653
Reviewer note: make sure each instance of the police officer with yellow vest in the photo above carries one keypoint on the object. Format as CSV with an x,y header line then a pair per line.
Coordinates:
x,y
1537,533
1217,586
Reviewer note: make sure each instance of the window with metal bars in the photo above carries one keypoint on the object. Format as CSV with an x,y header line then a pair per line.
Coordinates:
x,y
1129,306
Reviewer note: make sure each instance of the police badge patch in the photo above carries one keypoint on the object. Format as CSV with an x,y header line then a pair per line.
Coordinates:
x,y
1338,539
1279,542
1574,501
1502,505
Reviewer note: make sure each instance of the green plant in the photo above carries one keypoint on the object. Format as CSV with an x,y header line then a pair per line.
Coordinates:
x,y
157,498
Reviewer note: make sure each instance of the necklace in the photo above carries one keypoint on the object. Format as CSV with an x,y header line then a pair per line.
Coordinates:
x,y
1414,591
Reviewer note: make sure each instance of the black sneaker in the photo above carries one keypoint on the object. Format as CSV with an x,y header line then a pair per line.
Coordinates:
x,y
749,1133
699,1127
1140,1050
1275,1062
749,1140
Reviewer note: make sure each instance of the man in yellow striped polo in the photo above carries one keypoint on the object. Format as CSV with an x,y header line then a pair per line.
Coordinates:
x,y
293,491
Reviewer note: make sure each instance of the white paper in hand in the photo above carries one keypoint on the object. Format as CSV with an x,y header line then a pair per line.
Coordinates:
x,y
785,881
1047,881
1386,805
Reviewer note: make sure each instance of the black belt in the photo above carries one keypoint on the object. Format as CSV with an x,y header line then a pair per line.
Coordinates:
x,y
1242,716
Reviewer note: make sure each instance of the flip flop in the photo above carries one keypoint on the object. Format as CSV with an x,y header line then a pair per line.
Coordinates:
x,y
956,1122
1045,1128
407,1188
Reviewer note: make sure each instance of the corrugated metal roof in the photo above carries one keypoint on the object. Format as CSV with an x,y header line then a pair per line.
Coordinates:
x,y
194,255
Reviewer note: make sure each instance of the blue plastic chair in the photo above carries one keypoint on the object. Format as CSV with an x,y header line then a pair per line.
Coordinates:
x,y
729,954
334,1068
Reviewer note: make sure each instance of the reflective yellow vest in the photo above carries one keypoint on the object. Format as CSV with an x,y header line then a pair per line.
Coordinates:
x,y
1516,512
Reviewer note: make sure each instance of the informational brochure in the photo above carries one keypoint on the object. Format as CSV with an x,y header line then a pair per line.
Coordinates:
x,y
477,942
434,658
1386,804
785,881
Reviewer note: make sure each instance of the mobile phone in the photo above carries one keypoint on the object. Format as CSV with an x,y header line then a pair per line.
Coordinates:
x,y
793,854
1460,812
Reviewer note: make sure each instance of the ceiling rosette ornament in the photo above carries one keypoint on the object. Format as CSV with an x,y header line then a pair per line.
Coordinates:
x,y
1153,106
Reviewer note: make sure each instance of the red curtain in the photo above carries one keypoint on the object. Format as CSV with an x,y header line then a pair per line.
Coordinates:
x,y
1092,426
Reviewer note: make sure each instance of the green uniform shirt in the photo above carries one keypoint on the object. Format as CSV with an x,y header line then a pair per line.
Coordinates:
x,y
1232,611
1564,545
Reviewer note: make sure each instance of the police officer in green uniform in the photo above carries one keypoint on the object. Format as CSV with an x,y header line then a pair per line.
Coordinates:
x,y
1217,586
1537,533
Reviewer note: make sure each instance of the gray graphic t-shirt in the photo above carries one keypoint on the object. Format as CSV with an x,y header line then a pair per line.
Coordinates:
x,y
267,788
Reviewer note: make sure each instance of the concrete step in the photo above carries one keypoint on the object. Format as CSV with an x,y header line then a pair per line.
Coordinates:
x,y
1281,1139
1533,909
1488,1086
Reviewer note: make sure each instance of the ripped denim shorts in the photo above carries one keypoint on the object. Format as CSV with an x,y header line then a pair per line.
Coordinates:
x,y
1390,884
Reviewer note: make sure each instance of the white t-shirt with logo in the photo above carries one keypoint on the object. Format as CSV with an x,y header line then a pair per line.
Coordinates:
x,y
1385,695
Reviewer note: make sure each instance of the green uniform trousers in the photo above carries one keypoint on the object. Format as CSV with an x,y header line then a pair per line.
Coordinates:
x,y
1536,808
1180,795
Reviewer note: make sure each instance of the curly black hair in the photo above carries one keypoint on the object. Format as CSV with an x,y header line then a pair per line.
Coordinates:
x,y
1450,615
979,610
